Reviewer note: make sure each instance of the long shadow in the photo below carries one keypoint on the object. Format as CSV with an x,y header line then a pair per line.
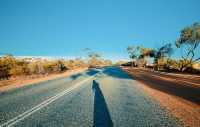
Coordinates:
x,y
75,76
91,72
101,113
116,72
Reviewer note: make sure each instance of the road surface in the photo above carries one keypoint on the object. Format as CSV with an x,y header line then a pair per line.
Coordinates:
x,y
183,86
105,97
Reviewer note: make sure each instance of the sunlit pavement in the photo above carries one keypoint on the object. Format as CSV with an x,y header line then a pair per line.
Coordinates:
x,y
183,86
99,97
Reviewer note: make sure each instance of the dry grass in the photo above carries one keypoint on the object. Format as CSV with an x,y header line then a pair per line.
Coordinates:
x,y
21,81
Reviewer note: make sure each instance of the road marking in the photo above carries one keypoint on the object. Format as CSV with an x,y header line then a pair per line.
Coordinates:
x,y
196,85
182,75
27,113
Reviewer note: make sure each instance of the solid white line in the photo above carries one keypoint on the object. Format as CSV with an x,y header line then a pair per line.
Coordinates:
x,y
184,75
27,113
179,81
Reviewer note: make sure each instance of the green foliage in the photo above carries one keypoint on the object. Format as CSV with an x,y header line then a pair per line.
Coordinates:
x,y
6,64
95,59
190,37
10,66
77,63
146,52
133,51
162,52
140,53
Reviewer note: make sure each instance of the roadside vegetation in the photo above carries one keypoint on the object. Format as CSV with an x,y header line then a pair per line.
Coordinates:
x,y
11,66
188,41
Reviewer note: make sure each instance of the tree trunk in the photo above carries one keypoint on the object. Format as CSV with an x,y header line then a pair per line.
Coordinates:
x,y
181,69
132,64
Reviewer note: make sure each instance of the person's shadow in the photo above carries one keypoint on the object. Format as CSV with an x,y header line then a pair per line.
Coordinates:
x,y
101,114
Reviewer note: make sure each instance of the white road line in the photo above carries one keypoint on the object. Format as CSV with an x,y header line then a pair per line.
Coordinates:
x,y
27,113
184,75
178,81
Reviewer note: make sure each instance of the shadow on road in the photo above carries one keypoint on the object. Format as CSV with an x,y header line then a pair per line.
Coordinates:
x,y
101,114
183,90
75,76
116,72
92,72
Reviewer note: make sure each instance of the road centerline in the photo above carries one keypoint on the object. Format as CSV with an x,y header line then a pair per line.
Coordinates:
x,y
43,104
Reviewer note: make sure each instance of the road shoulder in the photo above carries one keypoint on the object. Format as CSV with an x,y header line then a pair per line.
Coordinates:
x,y
25,81
184,110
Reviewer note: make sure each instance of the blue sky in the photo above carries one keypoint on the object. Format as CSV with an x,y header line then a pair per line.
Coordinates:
x,y
65,27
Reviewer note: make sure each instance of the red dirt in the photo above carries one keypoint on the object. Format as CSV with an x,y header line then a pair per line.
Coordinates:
x,y
178,94
21,81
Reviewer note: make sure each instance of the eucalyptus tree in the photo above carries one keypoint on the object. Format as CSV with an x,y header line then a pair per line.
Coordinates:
x,y
189,39
145,53
133,53
162,52
94,57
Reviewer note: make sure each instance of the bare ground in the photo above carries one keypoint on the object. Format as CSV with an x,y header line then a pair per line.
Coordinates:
x,y
20,81
178,94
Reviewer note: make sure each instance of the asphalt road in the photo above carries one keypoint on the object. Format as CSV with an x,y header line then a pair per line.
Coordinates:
x,y
99,97
180,85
